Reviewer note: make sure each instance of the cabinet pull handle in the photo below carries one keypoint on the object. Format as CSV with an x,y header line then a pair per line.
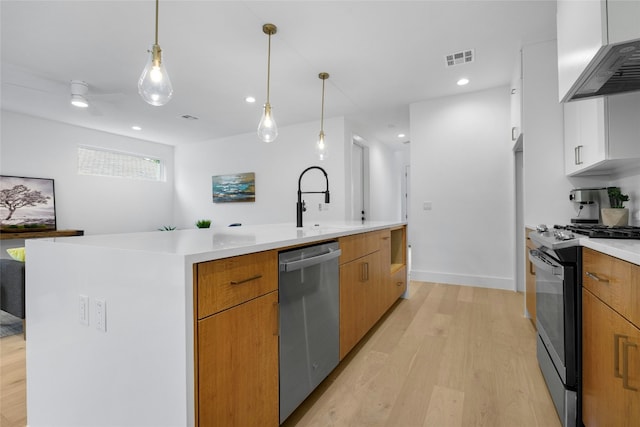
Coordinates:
x,y
532,271
625,365
239,282
365,271
578,155
595,277
400,284
277,322
616,354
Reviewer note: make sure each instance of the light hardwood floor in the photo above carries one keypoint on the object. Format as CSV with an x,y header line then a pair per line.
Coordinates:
x,y
449,356
13,382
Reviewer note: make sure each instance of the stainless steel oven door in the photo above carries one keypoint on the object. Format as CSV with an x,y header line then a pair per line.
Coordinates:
x,y
550,307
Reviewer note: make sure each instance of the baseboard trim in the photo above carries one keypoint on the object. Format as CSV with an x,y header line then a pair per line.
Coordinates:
x,y
506,284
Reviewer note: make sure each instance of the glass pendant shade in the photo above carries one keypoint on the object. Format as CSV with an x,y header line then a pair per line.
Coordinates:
x,y
321,147
267,129
154,85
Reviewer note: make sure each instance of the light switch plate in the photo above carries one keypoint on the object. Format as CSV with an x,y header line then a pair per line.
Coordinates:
x,y
83,309
101,314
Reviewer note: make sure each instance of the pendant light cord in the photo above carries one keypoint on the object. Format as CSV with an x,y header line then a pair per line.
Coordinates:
x,y
322,111
268,66
157,3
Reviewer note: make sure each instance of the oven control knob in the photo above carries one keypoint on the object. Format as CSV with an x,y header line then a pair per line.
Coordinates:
x,y
563,235
542,228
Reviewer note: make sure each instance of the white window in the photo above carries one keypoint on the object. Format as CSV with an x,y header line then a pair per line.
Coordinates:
x,y
102,162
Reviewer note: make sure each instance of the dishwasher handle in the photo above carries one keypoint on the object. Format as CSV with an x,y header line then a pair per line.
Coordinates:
x,y
308,262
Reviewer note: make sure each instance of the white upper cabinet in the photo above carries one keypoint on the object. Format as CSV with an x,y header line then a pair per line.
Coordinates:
x,y
516,99
587,29
602,134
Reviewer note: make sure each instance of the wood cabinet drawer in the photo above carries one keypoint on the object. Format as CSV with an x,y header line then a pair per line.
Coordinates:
x,y
231,281
359,245
397,285
615,282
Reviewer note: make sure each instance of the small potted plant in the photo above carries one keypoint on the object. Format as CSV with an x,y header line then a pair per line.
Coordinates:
x,y
617,214
203,223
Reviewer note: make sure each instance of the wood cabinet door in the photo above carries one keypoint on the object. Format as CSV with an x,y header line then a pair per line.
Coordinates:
x,y
238,365
377,277
353,301
611,366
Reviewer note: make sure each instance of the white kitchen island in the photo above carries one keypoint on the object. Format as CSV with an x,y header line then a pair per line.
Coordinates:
x,y
135,366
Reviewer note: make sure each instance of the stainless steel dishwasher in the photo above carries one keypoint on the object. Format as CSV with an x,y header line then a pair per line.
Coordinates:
x,y
309,321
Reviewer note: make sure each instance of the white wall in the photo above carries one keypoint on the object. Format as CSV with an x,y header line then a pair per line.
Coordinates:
x,y
546,187
278,166
386,174
462,162
40,148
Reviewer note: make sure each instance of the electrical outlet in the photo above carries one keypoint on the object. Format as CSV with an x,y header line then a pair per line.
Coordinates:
x,y
83,309
101,314
426,206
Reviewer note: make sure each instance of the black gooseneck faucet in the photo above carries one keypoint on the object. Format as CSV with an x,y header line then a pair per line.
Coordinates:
x,y
300,205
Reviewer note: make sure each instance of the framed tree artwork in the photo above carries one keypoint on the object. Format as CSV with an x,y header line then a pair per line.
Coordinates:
x,y
27,204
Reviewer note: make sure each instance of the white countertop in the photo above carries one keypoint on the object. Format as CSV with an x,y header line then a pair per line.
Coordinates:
x,y
220,242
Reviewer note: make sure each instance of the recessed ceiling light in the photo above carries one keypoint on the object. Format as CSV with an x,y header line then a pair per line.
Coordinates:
x,y
250,99
136,128
401,135
463,82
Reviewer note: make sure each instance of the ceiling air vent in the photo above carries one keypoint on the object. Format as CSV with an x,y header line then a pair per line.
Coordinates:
x,y
458,58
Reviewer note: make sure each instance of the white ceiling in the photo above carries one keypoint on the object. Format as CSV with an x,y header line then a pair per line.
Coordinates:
x,y
381,55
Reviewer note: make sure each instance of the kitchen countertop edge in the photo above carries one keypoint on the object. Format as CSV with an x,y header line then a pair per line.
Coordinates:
x,y
199,245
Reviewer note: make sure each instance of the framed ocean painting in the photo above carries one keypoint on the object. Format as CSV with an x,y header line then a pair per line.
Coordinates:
x,y
239,187
27,204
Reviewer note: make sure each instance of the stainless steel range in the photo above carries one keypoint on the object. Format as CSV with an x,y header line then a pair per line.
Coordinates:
x,y
558,261
557,258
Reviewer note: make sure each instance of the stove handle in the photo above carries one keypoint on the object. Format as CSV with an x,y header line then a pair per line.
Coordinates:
x,y
544,263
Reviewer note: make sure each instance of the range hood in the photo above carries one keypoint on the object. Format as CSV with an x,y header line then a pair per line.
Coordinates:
x,y
614,69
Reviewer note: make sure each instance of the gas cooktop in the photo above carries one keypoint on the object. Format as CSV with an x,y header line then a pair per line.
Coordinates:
x,y
602,231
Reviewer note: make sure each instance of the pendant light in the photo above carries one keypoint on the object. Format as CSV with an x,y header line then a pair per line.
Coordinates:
x,y
321,145
154,85
267,128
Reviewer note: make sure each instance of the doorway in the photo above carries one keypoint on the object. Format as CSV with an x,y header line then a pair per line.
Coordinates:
x,y
359,180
